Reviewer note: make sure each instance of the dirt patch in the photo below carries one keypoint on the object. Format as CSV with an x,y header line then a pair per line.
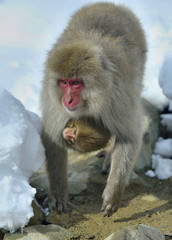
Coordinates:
x,y
150,205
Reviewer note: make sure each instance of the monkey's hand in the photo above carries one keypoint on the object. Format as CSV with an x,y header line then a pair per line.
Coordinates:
x,y
106,153
106,162
56,203
111,199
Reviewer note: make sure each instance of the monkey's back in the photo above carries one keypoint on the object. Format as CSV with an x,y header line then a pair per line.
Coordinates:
x,y
106,19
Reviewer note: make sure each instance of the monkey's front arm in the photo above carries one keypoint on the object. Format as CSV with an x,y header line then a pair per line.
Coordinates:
x,y
56,164
122,162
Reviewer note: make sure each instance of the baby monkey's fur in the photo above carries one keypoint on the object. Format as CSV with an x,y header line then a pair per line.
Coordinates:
x,y
84,135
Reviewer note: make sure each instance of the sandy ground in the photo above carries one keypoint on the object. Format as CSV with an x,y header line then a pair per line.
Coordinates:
x,y
150,205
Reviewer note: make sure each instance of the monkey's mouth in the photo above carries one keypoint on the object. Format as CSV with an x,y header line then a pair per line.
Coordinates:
x,y
72,109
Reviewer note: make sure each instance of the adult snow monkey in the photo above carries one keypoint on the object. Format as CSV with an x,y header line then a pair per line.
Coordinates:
x,y
95,69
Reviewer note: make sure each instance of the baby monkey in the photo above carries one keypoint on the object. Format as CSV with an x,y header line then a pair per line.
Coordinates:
x,y
84,136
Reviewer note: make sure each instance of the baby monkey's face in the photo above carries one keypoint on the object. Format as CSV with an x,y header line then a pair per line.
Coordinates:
x,y
70,133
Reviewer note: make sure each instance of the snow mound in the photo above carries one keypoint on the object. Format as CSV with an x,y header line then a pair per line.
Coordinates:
x,y
161,160
162,166
165,78
164,147
21,154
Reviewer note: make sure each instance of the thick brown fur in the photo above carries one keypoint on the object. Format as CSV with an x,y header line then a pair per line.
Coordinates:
x,y
104,45
90,136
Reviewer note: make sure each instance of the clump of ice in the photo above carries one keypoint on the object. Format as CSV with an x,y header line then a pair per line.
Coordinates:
x,y
21,154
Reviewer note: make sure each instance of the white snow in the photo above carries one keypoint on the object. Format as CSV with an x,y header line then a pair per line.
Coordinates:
x,y
165,76
166,120
150,173
21,154
162,166
162,158
161,162
155,96
163,147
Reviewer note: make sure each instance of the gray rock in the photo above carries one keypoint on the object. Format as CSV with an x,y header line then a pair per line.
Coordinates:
x,y
150,136
38,217
138,180
58,219
40,182
41,232
137,232
84,169
77,181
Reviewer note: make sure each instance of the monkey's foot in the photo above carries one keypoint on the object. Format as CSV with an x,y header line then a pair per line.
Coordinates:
x,y
56,204
110,202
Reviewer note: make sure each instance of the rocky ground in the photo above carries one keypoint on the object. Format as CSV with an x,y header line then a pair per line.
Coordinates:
x,y
146,201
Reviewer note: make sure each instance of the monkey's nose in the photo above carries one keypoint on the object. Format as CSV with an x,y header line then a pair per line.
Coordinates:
x,y
70,101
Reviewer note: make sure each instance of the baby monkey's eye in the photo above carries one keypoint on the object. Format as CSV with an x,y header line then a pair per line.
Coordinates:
x,y
75,131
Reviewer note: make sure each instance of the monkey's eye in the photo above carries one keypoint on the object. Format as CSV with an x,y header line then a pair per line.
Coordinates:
x,y
75,83
63,82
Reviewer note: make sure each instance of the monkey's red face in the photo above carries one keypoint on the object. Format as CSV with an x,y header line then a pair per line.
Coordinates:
x,y
71,88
